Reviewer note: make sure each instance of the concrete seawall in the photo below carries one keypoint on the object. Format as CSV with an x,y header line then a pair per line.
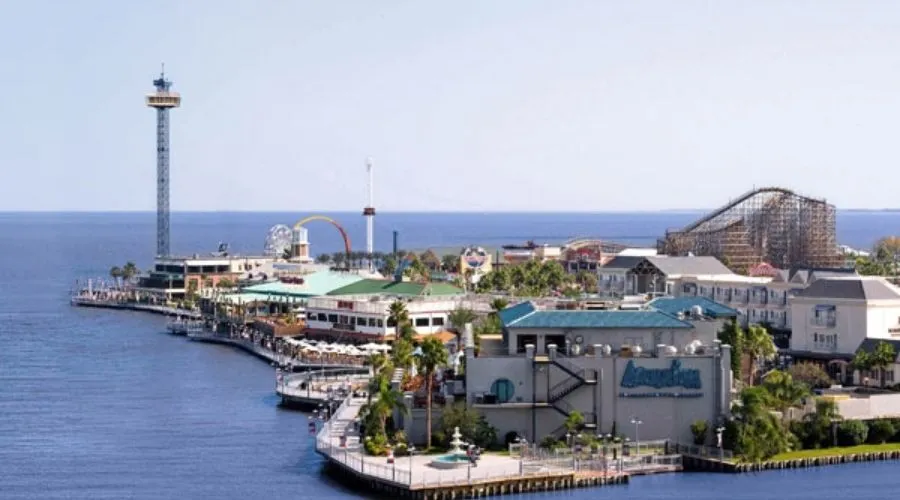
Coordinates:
x,y
711,465
134,306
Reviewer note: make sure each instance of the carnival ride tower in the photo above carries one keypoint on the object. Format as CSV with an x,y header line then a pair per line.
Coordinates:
x,y
369,214
162,100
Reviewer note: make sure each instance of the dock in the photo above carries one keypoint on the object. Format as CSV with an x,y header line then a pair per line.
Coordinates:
x,y
87,301
411,477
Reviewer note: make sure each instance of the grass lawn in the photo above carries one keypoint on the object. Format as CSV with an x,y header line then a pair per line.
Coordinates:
x,y
830,452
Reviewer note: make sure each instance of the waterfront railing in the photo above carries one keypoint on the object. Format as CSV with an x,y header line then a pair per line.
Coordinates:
x,y
693,450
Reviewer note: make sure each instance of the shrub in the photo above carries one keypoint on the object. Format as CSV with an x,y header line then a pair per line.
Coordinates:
x,y
400,438
376,445
699,429
485,434
549,442
880,431
852,432
510,438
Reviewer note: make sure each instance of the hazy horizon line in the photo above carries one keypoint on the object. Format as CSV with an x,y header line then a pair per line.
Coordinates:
x,y
438,212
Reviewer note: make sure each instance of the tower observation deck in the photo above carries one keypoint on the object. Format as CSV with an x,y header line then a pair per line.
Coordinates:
x,y
162,100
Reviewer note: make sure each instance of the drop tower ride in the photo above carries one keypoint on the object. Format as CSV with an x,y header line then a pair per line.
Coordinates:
x,y
162,100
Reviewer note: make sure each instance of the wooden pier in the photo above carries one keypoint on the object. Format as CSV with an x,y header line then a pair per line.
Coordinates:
x,y
87,301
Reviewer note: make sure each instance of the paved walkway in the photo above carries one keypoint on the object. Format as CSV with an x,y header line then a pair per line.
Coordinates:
x,y
411,471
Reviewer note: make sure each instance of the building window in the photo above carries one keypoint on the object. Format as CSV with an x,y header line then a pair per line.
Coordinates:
x,y
380,323
372,322
391,323
437,321
503,389
332,318
360,321
421,321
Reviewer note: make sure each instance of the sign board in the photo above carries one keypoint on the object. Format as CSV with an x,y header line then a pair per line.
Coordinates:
x,y
672,377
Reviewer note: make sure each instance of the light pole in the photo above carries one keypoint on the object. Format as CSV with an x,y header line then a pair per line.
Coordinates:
x,y
637,439
410,450
719,431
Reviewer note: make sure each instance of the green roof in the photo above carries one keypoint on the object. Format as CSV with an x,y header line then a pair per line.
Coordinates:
x,y
404,288
675,305
520,317
314,284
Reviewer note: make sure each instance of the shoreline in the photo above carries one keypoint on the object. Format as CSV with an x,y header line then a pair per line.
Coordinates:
x,y
700,464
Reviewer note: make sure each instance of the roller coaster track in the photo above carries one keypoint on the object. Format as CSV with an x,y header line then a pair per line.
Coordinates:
x,y
741,199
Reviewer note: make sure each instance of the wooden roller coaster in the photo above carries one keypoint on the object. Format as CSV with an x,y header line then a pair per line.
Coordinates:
x,y
771,224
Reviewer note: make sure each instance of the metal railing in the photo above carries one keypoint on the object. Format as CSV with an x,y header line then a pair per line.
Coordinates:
x,y
693,450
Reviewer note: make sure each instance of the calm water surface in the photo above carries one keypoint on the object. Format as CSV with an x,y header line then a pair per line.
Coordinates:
x,y
105,405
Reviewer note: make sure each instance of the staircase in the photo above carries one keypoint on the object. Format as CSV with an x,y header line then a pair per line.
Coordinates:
x,y
577,377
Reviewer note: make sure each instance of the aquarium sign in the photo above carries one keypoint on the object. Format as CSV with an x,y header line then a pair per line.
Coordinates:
x,y
474,257
660,378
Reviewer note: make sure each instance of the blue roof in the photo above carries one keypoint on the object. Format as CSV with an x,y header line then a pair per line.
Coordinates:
x,y
515,312
675,305
589,319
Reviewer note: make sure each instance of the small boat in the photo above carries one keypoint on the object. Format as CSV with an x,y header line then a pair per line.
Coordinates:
x,y
180,326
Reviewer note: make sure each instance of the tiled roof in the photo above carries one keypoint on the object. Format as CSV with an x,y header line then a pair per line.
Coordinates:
x,y
853,288
691,265
597,319
389,287
675,305
314,284
626,262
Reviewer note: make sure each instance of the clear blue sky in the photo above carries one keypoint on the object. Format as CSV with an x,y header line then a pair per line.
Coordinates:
x,y
464,105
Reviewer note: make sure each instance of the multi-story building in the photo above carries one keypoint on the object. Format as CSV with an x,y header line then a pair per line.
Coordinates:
x,y
610,366
834,316
653,275
174,276
367,317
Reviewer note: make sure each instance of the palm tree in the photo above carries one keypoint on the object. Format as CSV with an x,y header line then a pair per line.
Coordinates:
x,y
129,271
402,354
758,346
459,318
380,363
785,391
434,355
383,400
398,315
323,258
883,357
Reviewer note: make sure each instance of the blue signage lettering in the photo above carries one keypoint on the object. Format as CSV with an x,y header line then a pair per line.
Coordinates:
x,y
658,378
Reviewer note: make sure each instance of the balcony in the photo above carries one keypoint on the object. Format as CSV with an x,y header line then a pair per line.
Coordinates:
x,y
823,322
824,347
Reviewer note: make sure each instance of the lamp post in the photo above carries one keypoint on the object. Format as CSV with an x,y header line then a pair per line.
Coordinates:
x,y
410,450
719,431
637,439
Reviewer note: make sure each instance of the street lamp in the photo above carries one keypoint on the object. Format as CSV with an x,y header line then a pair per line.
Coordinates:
x,y
637,440
411,449
719,431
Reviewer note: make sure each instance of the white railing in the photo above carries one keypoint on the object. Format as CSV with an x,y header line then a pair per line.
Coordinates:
x,y
693,450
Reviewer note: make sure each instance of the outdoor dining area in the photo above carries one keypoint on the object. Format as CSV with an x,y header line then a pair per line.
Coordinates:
x,y
313,351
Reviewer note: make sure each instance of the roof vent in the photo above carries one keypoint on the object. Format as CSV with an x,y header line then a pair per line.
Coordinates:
x,y
696,311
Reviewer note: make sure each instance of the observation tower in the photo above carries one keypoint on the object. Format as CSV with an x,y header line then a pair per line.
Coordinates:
x,y
162,100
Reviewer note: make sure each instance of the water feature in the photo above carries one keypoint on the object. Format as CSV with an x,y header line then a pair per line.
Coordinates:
x,y
457,457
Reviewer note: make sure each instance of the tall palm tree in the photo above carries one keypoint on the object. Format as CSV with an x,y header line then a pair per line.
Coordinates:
x,y
434,355
758,345
399,315
129,271
402,354
785,391
382,402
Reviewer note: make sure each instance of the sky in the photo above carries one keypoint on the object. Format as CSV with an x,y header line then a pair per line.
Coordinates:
x,y
465,105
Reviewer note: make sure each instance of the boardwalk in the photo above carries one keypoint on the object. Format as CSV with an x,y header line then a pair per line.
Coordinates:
x,y
412,477
87,301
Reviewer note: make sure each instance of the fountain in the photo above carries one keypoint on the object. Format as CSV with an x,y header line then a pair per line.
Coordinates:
x,y
457,457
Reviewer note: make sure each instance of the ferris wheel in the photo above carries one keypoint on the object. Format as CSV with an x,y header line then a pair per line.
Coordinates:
x,y
278,239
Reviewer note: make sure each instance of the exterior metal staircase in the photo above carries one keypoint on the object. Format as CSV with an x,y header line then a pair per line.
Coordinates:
x,y
577,377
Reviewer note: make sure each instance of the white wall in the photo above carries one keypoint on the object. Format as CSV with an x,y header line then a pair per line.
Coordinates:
x,y
663,415
850,325
883,321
